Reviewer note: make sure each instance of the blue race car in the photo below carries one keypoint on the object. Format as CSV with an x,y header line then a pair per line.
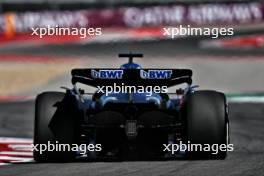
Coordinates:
x,y
135,122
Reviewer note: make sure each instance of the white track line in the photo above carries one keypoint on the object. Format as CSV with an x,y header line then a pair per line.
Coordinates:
x,y
8,140
20,147
246,99
15,159
15,153
4,164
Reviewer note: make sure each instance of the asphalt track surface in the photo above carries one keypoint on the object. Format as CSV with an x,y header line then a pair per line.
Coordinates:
x,y
246,123
156,48
246,129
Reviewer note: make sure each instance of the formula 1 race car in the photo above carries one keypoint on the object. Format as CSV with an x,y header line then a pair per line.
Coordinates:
x,y
130,124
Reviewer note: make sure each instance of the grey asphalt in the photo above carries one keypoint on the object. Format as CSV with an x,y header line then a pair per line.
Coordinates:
x,y
154,48
246,129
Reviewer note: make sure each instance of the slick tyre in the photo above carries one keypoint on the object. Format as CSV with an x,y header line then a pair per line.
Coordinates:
x,y
207,123
45,110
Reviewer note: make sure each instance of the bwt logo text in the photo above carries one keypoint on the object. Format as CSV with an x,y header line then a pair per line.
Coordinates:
x,y
155,74
107,74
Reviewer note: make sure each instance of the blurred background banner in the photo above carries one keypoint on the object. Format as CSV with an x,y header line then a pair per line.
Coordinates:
x,y
20,20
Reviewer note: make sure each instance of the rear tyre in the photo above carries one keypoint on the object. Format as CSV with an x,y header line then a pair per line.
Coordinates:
x,y
46,108
207,123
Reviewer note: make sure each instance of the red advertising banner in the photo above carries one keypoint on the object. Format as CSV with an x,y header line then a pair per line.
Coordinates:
x,y
133,17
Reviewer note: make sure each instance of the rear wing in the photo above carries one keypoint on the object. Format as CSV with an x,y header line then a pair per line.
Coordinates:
x,y
137,77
